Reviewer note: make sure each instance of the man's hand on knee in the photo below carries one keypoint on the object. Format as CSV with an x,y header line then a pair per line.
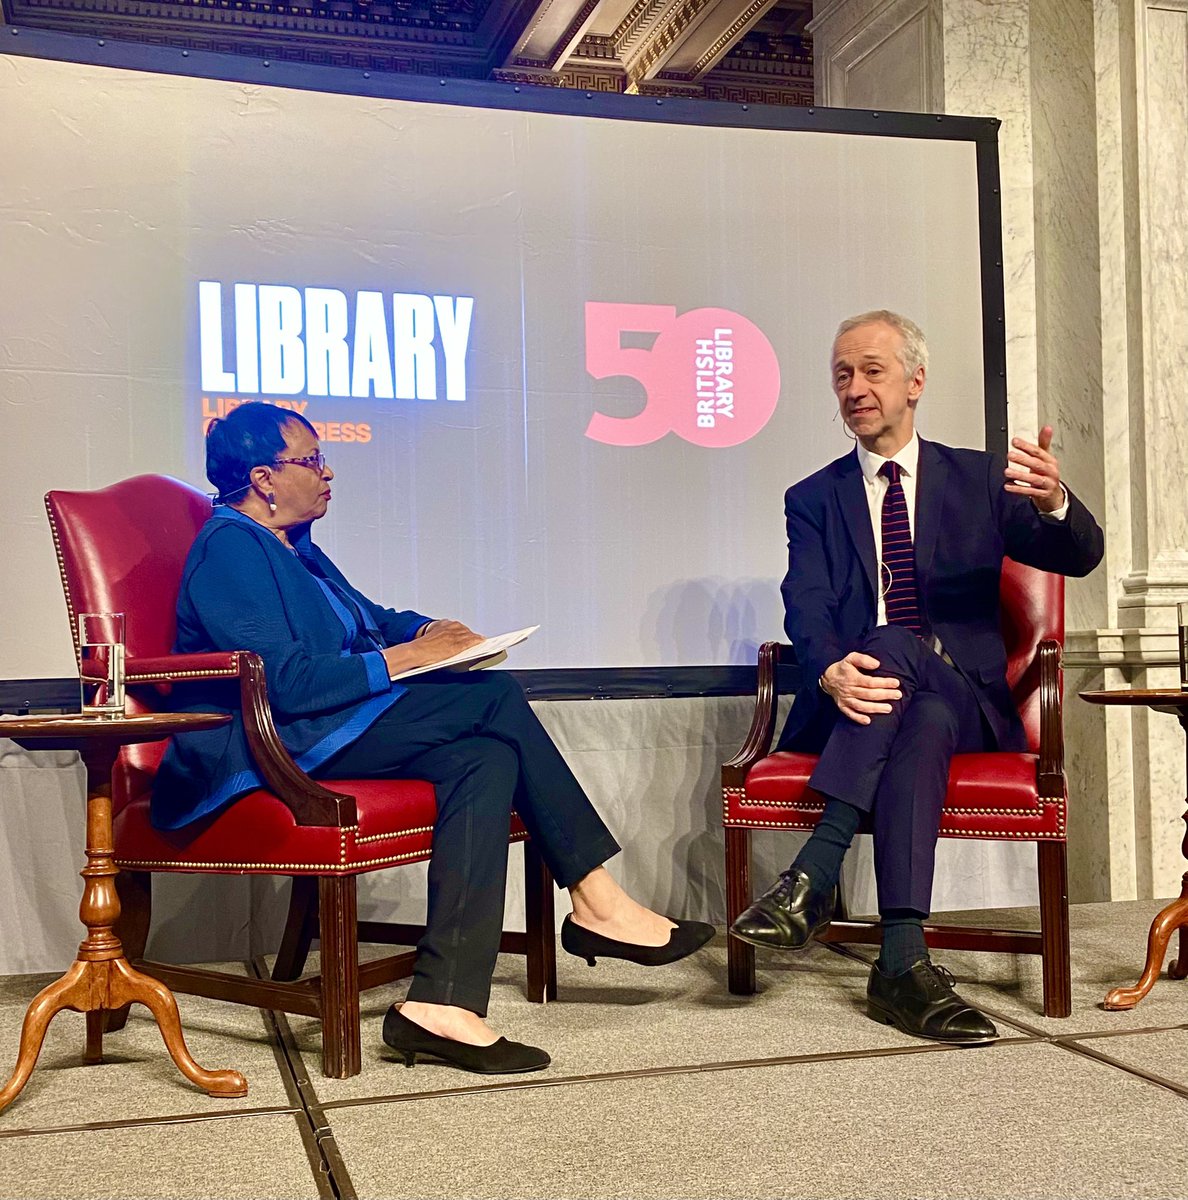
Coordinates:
x,y
857,693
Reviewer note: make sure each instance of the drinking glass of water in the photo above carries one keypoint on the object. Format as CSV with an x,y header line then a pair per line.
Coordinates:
x,y
101,662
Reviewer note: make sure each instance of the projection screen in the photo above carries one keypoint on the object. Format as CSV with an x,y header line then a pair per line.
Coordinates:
x,y
564,366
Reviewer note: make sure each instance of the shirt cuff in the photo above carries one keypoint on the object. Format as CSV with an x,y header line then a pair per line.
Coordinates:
x,y
1060,513
377,672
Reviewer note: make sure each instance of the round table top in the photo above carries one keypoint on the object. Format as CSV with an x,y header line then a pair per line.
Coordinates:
x,y
1172,700
79,728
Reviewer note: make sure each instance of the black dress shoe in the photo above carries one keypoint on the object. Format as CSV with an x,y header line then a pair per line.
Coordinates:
x,y
684,939
409,1039
787,916
921,1001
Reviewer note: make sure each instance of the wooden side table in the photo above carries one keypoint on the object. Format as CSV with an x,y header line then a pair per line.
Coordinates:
x,y
101,977
1175,915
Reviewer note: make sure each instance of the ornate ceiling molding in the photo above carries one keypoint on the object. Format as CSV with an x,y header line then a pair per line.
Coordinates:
x,y
754,50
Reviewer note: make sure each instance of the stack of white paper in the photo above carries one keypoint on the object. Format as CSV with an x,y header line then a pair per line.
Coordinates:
x,y
487,653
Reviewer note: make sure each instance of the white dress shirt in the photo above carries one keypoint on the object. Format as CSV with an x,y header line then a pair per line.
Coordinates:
x,y
908,459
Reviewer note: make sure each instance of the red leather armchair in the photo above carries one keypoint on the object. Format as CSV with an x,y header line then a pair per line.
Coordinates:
x,y
1020,797
122,549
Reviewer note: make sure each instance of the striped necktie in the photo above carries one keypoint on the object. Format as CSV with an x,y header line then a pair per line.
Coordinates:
x,y
897,570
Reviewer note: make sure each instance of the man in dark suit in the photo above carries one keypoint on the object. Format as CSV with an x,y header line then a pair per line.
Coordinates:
x,y
891,601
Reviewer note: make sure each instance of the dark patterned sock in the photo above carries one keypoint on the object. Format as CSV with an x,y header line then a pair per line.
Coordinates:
x,y
820,858
903,940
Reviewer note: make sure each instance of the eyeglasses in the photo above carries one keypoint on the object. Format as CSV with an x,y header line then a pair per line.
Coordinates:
x,y
315,462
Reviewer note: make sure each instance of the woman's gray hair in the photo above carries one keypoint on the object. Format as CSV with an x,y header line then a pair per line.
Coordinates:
x,y
915,349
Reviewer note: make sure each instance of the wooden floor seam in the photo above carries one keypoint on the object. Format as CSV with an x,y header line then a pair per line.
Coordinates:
x,y
1075,1047
745,1064
1030,1036
333,1178
227,1114
329,1169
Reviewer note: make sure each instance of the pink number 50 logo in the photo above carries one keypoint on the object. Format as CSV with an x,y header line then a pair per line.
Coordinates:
x,y
711,377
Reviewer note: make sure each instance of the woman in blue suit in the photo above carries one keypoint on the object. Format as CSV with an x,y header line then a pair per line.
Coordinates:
x,y
254,580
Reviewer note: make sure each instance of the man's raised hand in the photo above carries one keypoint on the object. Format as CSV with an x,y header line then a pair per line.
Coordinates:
x,y
1032,470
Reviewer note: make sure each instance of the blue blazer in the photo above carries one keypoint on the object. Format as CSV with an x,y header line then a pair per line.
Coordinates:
x,y
242,589
965,525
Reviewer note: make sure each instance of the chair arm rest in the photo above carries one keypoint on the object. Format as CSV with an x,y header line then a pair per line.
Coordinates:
x,y
758,739
1051,779
307,800
177,668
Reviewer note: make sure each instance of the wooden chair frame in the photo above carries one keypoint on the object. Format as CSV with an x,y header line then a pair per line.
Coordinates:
x,y
1051,942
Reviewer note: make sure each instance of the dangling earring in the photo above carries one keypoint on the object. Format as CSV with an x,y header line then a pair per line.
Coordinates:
x,y
272,502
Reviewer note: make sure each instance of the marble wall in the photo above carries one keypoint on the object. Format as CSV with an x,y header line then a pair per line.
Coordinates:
x,y
1141,143
882,55
1093,99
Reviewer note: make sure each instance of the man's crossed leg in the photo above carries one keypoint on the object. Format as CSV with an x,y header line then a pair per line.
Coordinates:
x,y
892,772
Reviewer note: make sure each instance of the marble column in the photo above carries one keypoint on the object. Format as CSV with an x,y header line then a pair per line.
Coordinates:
x,y
1142,55
1093,99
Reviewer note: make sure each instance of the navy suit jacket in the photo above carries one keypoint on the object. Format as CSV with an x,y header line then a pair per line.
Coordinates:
x,y
242,589
965,525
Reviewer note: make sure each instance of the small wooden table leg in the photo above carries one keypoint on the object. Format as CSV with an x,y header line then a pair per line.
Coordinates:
x,y
1173,917
126,985
101,977
96,1019
68,992
1179,968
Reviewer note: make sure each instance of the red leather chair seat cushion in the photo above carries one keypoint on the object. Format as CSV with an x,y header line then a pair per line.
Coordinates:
x,y
990,795
257,834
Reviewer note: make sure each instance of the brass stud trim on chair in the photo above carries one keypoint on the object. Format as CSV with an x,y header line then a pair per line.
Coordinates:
x,y
174,865
169,676
70,613
751,823
379,837
994,834
298,868
753,802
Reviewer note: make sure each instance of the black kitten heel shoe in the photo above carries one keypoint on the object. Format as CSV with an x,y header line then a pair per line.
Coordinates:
x,y
687,937
409,1039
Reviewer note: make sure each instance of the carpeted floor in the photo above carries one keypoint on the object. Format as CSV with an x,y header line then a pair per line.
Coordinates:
x,y
662,1085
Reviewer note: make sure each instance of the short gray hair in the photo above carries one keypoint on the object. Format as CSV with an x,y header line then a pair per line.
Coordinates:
x,y
914,352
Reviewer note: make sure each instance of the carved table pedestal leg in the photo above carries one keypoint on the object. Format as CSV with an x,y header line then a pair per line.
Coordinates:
x,y
101,977
1171,918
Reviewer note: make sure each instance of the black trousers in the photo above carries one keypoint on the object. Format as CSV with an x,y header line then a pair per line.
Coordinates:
x,y
896,769
474,737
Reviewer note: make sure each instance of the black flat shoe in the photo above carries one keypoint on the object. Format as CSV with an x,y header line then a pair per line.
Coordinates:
x,y
787,916
409,1039
684,939
921,1001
